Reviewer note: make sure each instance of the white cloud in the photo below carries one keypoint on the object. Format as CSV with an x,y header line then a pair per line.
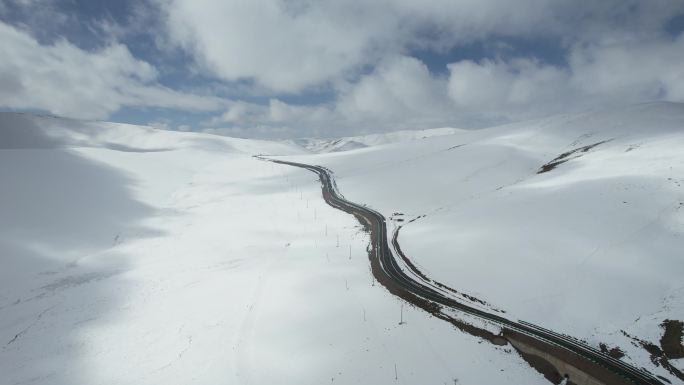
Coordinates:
x,y
598,75
66,80
282,45
290,45
359,52
501,88
276,119
400,93
401,89
631,70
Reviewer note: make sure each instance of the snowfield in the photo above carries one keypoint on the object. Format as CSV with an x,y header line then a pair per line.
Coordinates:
x,y
138,256
575,222
354,142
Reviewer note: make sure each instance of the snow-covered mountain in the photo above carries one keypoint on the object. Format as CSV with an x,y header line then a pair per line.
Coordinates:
x,y
131,255
572,222
354,142
136,255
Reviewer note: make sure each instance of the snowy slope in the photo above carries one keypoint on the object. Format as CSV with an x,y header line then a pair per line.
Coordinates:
x,y
591,247
136,256
354,142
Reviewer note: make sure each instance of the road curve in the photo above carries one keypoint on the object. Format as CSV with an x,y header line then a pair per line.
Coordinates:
x,y
421,292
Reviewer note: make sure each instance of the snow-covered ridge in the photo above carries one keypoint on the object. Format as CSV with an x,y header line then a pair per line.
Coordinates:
x,y
354,142
573,222
22,130
114,234
138,256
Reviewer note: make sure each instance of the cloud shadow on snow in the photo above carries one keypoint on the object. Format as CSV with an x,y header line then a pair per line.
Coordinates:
x,y
62,217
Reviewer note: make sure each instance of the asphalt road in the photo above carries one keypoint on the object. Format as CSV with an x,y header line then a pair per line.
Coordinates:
x,y
388,270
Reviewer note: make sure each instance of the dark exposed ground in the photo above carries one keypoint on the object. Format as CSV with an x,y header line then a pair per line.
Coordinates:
x,y
614,352
671,341
658,355
566,156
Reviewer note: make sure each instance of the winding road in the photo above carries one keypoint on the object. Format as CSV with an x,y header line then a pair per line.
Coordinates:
x,y
401,278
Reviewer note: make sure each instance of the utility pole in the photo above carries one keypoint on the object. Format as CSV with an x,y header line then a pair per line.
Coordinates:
x,y
401,315
346,284
396,376
350,252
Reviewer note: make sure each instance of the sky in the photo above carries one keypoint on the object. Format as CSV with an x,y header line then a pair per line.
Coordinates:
x,y
326,68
